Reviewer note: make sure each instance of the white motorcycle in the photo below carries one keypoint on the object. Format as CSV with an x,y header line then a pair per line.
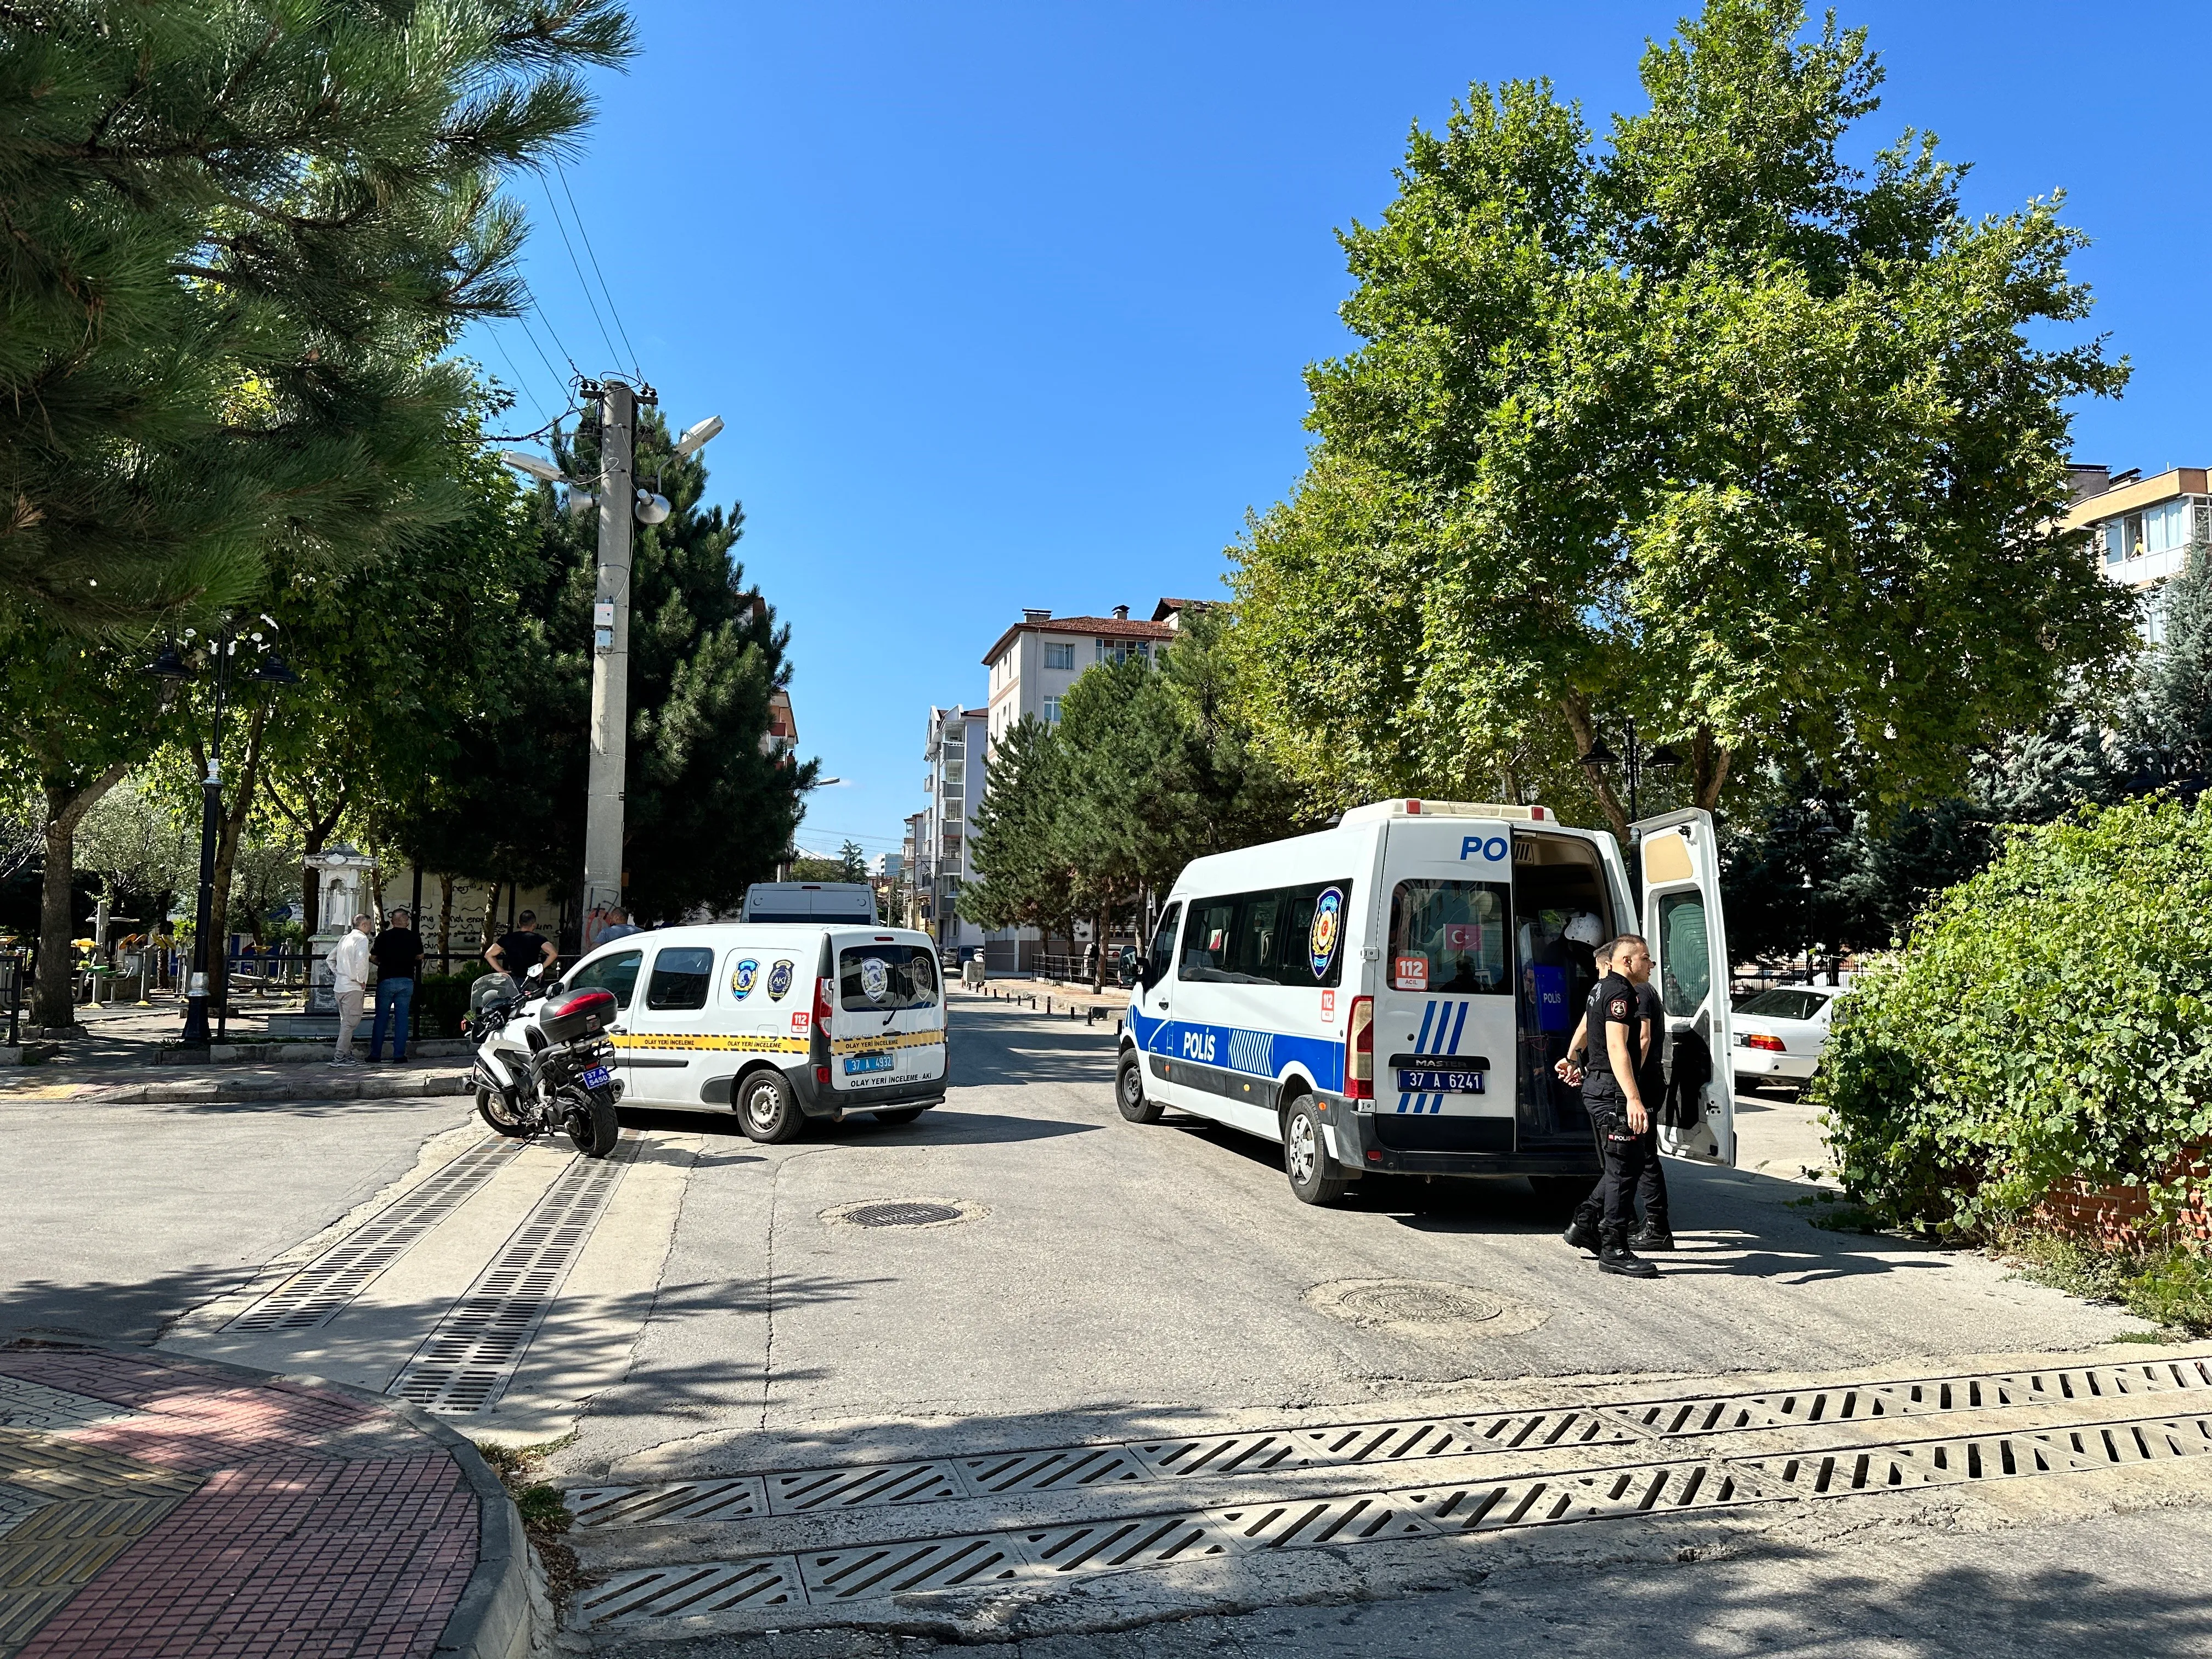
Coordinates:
x,y
543,1061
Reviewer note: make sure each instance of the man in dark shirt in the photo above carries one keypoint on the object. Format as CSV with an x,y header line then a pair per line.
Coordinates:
x,y
516,953
1613,1095
397,953
1654,1233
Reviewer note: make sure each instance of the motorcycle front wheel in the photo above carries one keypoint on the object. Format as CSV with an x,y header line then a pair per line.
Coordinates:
x,y
492,1108
592,1127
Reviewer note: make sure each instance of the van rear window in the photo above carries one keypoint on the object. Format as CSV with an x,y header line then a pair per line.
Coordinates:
x,y
885,978
1449,936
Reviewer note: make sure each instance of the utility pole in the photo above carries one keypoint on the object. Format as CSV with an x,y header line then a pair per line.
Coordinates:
x,y
603,809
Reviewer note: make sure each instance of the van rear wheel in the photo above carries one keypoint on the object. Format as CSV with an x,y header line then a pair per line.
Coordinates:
x,y
766,1110
1313,1176
1129,1091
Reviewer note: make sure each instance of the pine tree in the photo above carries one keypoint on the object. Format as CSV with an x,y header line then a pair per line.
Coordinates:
x,y
240,236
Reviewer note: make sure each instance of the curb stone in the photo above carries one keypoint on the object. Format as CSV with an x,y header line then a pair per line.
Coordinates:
x,y
375,1087
493,1619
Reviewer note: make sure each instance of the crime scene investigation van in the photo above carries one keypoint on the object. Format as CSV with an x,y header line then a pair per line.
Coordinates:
x,y
1388,996
779,1021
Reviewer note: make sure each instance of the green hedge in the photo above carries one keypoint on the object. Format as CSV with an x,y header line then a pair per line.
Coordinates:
x,y
2052,1018
441,1002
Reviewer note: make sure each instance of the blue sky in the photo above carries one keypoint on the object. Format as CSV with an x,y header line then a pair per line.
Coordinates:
x,y
1006,305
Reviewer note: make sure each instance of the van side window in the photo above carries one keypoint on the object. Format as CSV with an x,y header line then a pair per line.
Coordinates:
x,y
617,975
1286,936
1449,936
1164,935
680,977
1686,976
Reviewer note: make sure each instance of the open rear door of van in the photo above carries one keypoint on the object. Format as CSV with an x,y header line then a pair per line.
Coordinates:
x,y
1680,857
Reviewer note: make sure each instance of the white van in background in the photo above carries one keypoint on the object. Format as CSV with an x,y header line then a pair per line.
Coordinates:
x,y
1389,995
782,1023
810,900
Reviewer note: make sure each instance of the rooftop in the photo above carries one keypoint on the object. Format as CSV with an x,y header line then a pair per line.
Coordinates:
x,y
1096,627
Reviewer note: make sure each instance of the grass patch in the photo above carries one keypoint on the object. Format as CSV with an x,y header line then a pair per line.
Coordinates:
x,y
2168,1285
545,1514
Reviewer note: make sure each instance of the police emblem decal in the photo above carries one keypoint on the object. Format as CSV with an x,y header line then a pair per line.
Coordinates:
x,y
1618,1008
743,975
1327,928
875,978
779,980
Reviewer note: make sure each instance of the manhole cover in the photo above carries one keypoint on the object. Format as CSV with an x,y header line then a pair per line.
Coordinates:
x,y
1410,1302
901,1215
1422,1308
903,1212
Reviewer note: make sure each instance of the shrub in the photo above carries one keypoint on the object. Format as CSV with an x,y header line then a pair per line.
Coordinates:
x,y
441,1002
2052,1019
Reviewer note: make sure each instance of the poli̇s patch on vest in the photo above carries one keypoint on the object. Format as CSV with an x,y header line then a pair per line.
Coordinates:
x,y
875,978
1327,930
742,976
779,980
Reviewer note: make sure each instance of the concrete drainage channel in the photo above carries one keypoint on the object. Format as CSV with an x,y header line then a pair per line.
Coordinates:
x,y
854,1543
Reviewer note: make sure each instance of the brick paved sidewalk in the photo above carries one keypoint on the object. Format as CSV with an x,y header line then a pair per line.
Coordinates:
x,y
156,1506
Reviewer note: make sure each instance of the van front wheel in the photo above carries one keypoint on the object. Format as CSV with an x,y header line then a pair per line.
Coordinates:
x,y
766,1110
1129,1091
1313,1179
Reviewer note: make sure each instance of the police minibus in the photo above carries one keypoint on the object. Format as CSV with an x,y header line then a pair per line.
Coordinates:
x,y
1389,995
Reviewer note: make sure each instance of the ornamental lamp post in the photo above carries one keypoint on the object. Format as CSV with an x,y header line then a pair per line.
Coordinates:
x,y
269,669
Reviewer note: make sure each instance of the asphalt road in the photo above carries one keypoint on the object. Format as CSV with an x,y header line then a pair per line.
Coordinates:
x,y
1107,1269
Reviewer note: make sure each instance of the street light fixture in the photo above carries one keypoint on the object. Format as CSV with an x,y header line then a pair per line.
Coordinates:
x,y
269,669
697,437
1598,757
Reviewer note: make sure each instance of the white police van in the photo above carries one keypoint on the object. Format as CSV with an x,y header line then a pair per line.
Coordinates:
x,y
1389,995
779,1021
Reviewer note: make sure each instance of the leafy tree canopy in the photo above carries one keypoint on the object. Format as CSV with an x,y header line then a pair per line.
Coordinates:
x,y
240,234
1697,424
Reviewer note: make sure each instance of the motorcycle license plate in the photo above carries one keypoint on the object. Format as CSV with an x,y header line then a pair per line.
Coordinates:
x,y
598,1077
856,1064
1439,1083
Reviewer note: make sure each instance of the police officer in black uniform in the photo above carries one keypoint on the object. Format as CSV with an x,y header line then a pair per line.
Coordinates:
x,y
1652,1232
1613,1095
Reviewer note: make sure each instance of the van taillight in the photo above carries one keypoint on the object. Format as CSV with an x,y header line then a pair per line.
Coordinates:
x,y
822,1004
1359,1050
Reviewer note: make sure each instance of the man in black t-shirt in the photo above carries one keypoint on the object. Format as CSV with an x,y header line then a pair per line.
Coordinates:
x,y
397,953
516,953
1614,1094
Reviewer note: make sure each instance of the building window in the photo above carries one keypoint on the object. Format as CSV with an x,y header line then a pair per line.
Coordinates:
x,y
1052,708
1122,650
1059,656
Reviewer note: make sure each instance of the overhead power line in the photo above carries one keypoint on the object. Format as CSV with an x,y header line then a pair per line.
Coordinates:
x,y
584,231
582,281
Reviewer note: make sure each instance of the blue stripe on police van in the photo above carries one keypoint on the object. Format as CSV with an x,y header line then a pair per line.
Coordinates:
x,y
1259,1054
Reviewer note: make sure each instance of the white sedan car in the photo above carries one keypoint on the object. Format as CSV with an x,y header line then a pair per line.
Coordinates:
x,y
1779,1033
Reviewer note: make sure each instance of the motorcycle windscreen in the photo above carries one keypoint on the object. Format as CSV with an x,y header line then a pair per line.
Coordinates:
x,y
1680,856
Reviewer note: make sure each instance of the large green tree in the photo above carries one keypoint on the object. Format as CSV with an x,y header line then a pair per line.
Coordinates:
x,y
1697,424
709,807
239,232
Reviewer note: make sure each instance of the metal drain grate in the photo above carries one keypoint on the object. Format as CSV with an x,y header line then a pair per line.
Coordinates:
x,y
1075,1468
1225,1454
1305,1523
1982,1457
314,1295
1113,1545
467,1359
1488,1505
858,1488
1860,1402
709,1586
677,1500
877,1570
901,1215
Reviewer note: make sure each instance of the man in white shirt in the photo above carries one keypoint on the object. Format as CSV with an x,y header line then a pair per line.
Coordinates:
x,y
349,981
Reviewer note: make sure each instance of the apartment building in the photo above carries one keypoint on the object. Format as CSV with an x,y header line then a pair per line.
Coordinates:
x,y
943,861
2142,529
1034,662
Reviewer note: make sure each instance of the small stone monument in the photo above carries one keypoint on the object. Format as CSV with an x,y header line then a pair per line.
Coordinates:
x,y
344,869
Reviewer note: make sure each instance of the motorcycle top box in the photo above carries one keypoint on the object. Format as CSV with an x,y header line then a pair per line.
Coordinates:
x,y
573,1014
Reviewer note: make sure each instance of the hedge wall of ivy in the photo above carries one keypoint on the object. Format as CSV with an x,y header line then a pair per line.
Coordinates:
x,y
2052,1019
